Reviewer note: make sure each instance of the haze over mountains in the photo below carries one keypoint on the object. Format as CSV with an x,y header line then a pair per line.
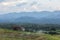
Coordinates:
x,y
32,17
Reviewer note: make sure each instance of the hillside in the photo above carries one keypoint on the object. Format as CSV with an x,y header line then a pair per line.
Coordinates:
x,y
6,34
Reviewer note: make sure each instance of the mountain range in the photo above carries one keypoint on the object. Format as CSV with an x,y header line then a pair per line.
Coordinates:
x,y
31,17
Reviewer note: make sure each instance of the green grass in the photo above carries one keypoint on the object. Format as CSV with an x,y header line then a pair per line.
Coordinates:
x,y
6,34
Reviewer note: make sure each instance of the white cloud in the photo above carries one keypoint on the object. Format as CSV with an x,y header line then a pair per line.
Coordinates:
x,y
29,5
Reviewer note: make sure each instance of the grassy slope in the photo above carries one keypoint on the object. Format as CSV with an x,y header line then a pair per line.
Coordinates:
x,y
18,35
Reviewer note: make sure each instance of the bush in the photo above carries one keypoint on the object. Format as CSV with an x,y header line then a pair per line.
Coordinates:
x,y
52,32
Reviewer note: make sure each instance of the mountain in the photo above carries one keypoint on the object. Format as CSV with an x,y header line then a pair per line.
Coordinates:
x,y
26,19
31,17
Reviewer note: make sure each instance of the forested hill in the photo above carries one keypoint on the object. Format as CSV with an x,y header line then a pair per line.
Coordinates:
x,y
43,17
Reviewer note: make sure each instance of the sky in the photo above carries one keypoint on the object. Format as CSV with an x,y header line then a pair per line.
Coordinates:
x,y
8,6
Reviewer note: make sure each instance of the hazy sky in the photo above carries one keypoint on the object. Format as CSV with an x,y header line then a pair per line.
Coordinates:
x,y
7,6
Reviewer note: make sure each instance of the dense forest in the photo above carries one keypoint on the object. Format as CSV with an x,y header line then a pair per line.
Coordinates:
x,y
27,26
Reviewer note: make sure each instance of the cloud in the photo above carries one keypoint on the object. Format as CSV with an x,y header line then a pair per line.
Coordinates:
x,y
28,5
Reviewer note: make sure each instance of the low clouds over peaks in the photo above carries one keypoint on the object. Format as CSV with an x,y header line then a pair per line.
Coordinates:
x,y
28,5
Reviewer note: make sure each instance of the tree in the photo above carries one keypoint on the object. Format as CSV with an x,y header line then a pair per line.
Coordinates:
x,y
52,31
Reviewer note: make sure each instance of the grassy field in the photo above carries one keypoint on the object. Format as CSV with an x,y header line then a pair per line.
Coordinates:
x,y
6,34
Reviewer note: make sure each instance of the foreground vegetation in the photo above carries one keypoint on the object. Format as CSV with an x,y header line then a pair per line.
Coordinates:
x,y
6,34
